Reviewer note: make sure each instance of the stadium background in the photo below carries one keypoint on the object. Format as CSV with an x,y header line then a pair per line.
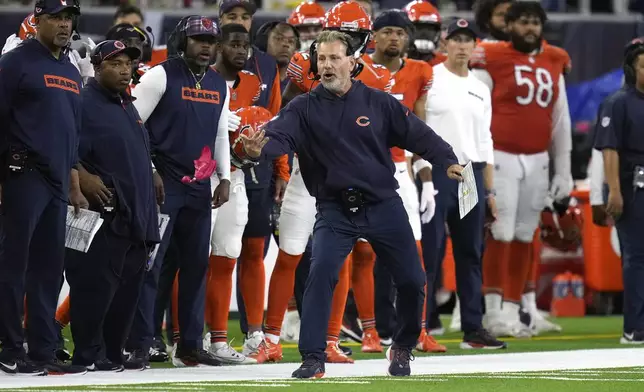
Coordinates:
x,y
594,41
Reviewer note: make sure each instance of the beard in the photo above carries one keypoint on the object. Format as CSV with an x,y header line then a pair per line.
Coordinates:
x,y
499,34
334,86
520,44
392,52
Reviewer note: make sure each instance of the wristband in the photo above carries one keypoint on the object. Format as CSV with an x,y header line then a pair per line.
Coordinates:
x,y
420,165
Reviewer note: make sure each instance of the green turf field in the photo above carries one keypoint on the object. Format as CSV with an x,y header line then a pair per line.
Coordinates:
x,y
553,362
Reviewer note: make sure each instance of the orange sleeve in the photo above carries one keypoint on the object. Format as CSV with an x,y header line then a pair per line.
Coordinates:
x,y
281,168
298,71
564,57
275,100
479,57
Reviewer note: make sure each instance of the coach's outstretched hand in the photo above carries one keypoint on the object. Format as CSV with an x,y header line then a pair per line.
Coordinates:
x,y
454,172
254,142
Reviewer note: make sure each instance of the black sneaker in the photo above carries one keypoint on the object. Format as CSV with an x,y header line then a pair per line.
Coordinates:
x,y
57,367
105,365
136,360
399,358
351,328
156,355
197,357
22,366
310,368
346,350
635,337
481,339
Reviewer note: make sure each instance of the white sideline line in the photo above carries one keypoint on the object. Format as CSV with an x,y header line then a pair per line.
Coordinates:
x,y
456,364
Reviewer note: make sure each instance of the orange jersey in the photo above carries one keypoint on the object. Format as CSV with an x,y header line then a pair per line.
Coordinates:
x,y
372,75
410,83
159,55
243,93
525,90
437,59
246,90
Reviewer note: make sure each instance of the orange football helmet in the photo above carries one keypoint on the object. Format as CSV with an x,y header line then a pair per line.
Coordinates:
x,y
307,19
28,28
421,11
307,14
252,118
427,21
347,16
561,226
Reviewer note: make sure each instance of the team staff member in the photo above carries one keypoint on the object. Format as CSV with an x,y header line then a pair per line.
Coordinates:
x,y
40,110
261,196
459,108
621,141
181,94
411,81
298,209
359,200
105,282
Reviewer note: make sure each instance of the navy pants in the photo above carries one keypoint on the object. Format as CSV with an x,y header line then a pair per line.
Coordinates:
x,y
32,263
386,226
104,287
629,230
467,238
189,229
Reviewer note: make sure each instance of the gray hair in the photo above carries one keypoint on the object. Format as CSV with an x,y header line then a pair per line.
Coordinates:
x,y
329,36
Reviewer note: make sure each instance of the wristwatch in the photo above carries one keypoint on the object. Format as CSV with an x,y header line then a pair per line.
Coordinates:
x,y
490,193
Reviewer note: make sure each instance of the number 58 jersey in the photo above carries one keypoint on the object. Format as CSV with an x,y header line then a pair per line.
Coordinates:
x,y
527,92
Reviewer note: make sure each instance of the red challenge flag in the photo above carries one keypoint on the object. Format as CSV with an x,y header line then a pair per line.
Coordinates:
x,y
204,167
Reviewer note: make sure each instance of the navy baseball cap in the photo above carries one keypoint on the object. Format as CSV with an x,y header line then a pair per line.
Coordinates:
x,y
52,7
200,25
459,25
108,49
227,6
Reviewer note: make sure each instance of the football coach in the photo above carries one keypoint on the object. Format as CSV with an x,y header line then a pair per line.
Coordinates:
x,y
343,145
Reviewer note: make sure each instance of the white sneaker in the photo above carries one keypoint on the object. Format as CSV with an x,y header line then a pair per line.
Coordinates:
x,y
255,347
206,341
291,327
176,361
455,324
512,325
539,324
228,356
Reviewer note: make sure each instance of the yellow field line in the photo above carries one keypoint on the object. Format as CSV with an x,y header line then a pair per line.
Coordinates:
x,y
536,338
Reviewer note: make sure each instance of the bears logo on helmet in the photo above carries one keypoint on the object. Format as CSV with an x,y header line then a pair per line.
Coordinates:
x,y
561,227
252,118
28,28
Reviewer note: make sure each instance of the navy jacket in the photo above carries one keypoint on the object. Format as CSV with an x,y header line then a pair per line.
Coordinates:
x,y
40,110
620,127
182,124
343,142
114,145
265,67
